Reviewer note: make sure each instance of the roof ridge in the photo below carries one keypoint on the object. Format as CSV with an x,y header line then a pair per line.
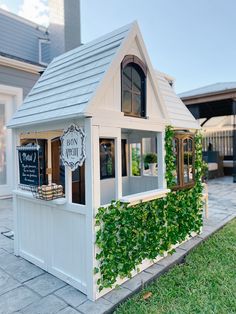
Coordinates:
x,y
116,31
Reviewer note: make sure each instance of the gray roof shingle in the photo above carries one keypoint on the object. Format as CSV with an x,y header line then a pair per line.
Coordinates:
x,y
213,88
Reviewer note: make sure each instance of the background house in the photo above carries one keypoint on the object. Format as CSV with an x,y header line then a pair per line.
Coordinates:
x,y
26,49
215,107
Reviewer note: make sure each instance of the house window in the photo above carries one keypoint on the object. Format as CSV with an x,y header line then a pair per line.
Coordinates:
x,y
184,160
133,77
44,51
78,185
58,169
124,157
107,158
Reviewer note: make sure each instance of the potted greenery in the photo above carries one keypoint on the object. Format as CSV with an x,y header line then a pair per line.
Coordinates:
x,y
151,160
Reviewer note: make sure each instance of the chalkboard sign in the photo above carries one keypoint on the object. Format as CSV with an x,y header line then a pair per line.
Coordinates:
x,y
29,165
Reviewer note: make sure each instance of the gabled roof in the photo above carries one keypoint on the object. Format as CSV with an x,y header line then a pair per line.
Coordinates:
x,y
74,81
209,89
70,81
179,115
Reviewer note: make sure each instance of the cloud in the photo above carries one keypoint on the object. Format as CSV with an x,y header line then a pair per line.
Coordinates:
x,y
36,11
4,7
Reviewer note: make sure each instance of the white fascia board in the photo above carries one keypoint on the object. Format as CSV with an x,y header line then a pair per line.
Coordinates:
x,y
16,64
12,125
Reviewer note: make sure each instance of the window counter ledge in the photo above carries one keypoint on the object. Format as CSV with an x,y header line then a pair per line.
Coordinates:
x,y
29,195
134,199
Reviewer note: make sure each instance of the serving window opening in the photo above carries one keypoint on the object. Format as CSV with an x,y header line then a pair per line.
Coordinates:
x,y
51,169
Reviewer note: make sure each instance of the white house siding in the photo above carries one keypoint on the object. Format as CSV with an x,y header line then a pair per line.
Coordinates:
x,y
19,37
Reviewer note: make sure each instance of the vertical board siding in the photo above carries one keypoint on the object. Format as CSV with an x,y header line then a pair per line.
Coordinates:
x,y
54,239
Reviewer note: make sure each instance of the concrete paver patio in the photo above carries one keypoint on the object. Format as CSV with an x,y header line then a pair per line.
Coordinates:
x,y
25,288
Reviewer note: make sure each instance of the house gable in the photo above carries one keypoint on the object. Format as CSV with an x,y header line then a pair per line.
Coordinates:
x,y
107,97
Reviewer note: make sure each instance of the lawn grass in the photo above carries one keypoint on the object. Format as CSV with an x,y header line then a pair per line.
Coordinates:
x,y
204,284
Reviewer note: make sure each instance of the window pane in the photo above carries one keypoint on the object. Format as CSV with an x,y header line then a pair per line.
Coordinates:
x,y
190,159
78,185
107,162
137,110
149,156
58,169
137,81
123,157
186,170
127,101
136,159
127,77
3,166
176,154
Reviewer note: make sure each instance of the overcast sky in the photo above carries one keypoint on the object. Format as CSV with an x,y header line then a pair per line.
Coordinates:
x,y
192,40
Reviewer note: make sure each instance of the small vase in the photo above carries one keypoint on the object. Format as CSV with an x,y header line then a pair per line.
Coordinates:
x,y
152,167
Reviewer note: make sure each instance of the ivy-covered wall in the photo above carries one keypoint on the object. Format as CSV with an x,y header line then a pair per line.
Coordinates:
x,y
129,234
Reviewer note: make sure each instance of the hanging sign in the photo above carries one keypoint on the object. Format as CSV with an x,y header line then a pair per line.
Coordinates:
x,y
29,165
73,147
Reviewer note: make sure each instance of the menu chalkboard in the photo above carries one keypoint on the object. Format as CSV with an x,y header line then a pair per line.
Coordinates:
x,y
29,165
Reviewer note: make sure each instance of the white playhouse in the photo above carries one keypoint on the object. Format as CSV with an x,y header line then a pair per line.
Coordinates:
x,y
91,131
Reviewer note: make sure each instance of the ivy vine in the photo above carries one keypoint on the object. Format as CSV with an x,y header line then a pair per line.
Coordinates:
x,y
129,234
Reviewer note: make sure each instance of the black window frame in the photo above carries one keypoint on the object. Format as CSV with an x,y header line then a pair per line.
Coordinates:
x,y
103,141
124,157
140,67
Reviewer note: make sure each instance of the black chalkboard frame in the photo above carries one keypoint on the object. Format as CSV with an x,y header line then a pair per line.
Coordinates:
x,y
33,164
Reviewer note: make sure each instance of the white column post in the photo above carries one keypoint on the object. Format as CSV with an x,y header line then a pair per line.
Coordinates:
x,y
118,167
15,143
49,165
161,160
95,162
90,196
68,184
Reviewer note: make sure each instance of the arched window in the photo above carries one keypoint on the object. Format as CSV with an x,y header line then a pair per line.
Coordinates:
x,y
133,77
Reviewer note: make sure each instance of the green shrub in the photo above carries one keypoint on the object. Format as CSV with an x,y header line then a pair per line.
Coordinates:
x,y
150,158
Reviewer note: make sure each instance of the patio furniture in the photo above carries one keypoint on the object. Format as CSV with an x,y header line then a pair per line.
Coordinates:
x,y
215,164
